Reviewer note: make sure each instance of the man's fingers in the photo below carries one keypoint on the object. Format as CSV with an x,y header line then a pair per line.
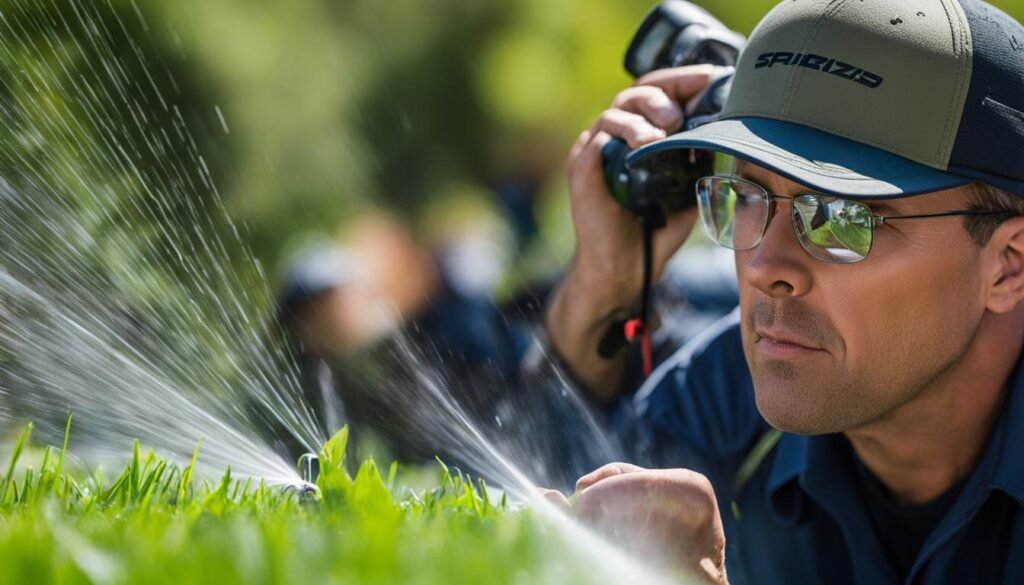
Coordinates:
x,y
672,513
585,174
610,470
581,142
681,498
633,128
653,103
640,114
680,83
556,498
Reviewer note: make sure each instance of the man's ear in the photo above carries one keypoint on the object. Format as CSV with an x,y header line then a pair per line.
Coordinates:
x,y
1006,290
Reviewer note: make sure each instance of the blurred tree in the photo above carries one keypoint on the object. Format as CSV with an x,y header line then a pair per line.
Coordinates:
x,y
101,115
307,110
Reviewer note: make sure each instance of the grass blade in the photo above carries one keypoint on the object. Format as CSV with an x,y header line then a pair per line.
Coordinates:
x,y
186,477
64,448
19,446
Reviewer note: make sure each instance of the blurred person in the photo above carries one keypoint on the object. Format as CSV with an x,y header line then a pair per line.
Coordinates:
x,y
393,338
323,301
321,309
443,297
857,418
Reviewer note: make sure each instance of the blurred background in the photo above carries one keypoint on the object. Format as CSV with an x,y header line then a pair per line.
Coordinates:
x,y
453,116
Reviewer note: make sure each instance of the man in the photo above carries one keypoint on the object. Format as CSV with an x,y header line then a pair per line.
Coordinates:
x,y
885,348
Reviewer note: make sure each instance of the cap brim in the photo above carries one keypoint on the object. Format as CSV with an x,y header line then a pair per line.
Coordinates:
x,y
816,159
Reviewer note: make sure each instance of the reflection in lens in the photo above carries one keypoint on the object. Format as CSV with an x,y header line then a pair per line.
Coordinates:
x,y
708,203
733,212
833,229
723,206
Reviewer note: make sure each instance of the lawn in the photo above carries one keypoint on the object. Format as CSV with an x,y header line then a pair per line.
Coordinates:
x,y
157,523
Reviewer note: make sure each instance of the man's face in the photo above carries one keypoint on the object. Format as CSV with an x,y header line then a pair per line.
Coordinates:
x,y
833,347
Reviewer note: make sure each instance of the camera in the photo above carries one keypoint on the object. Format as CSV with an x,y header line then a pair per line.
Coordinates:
x,y
674,34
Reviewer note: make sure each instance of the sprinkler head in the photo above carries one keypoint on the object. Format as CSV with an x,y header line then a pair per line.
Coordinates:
x,y
309,468
306,492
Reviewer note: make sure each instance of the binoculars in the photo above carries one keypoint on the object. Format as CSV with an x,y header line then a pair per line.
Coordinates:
x,y
674,34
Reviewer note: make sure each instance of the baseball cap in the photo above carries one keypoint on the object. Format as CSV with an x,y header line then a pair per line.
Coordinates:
x,y
875,98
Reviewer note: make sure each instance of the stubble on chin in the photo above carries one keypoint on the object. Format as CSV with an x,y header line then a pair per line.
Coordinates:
x,y
794,397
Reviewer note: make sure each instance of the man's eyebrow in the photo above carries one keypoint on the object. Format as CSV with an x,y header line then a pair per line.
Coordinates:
x,y
880,205
746,175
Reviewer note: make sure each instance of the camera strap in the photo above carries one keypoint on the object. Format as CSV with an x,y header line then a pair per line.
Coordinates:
x,y
637,328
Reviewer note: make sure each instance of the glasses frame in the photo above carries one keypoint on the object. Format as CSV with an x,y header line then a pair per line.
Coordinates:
x,y
805,243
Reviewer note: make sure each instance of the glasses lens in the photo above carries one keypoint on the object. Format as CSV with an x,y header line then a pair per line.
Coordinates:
x,y
733,211
833,229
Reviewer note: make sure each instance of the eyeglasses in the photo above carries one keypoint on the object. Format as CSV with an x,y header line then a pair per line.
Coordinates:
x,y
735,214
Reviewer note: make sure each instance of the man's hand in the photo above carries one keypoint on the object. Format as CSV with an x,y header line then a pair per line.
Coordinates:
x,y
608,237
668,514
605,276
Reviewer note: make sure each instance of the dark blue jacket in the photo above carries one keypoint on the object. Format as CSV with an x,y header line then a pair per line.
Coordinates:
x,y
800,518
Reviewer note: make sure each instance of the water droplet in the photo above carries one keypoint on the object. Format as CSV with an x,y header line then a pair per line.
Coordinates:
x,y
222,119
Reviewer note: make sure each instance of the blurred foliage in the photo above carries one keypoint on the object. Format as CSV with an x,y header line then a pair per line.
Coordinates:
x,y
337,106
96,124
307,111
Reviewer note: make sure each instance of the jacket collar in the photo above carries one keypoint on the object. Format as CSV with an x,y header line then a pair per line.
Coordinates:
x,y
1008,467
804,465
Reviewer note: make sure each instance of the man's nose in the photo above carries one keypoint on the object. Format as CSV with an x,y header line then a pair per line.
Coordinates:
x,y
778,266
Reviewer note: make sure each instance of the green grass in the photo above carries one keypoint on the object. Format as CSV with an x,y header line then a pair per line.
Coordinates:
x,y
155,523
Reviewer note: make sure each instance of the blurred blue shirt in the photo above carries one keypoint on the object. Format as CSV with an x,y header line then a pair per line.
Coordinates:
x,y
800,518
